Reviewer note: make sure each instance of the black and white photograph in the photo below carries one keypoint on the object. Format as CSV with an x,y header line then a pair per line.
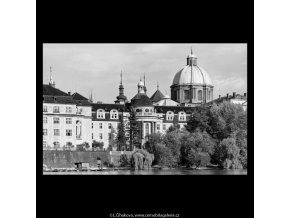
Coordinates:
x,y
145,109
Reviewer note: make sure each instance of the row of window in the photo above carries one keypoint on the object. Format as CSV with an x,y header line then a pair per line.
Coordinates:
x,y
56,144
56,132
101,114
101,136
101,125
56,109
187,95
56,120
146,110
181,117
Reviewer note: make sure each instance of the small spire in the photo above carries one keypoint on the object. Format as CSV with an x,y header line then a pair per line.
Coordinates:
x,y
51,82
144,79
157,85
121,77
91,97
191,51
140,78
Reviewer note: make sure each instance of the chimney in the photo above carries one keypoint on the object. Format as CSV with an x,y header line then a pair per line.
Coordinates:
x,y
68,93
219,97
245,94
227,95
234,94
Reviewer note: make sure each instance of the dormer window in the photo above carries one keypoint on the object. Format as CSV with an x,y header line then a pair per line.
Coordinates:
x,y
101,114
169,115
114,114
182,116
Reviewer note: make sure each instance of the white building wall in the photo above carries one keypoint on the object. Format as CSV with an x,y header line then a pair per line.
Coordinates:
x,y
84,117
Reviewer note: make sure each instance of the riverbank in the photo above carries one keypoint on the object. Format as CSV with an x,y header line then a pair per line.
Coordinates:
x,y
152,172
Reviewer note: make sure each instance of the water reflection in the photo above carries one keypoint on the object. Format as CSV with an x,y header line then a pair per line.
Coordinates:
x,y
154,172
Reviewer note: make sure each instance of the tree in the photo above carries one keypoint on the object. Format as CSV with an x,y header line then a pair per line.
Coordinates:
x,y
175,126
121,138
199,120
153,140
226,118
196,148
134,131
226,154
163,156
172,141
198,159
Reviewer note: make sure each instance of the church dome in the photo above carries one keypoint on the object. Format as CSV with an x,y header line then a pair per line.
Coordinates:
x,y
141,99
199,76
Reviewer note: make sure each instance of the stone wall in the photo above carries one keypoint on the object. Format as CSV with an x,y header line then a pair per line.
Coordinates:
x,y
66,159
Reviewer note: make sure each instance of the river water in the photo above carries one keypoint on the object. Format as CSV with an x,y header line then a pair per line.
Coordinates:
x,y
154,172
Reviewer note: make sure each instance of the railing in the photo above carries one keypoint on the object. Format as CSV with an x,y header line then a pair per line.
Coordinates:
x,y
145,114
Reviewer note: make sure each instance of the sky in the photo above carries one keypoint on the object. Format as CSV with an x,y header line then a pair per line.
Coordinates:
x,y
97,67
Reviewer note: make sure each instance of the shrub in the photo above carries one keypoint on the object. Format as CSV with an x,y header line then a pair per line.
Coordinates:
x,y
124,161
97,145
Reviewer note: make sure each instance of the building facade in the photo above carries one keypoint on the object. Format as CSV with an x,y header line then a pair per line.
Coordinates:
x,y
71,119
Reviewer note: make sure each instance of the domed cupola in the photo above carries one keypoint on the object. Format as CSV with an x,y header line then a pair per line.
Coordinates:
x,y
141,99
192,84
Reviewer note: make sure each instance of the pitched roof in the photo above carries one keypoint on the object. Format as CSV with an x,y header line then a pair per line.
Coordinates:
x,y
77,96
157,96
49,90
58,99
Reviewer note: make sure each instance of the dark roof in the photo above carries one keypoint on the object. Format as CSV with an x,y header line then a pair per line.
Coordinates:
x,y
49,90
175,109
58,99
157,96
77,96
141,99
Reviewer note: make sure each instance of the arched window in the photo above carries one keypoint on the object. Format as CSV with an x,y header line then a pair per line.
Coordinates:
x,y
146,110
114,114
199,95
101,114
169,115
138,110
182,116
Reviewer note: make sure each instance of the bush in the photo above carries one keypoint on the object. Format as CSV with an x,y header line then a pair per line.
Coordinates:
x,y
124,161
163,156
198,159
82,147
97,145
227,154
